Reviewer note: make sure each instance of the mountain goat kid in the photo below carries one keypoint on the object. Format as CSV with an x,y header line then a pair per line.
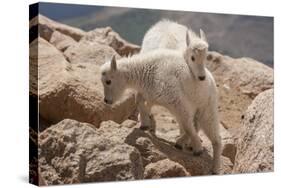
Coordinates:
x,y
162,77
167,34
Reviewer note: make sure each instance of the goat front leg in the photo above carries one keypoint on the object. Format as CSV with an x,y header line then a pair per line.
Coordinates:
x,y
183,140
212,131
146,119
191,132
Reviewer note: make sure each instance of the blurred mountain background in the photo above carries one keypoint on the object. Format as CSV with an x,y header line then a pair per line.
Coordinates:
x,y
234,35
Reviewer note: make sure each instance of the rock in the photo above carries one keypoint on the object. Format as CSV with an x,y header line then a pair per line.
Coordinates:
x,y
47,65
133,136
45,32
71,91
255,144
89,52
107,36
164,169
72,32
61,41
56,38
41,182
239,81
229,147
148,151
74,152
98,46
153,149
244,74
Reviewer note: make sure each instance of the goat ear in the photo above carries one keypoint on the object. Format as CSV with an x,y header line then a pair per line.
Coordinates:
x,y
187,38
202,35
113,65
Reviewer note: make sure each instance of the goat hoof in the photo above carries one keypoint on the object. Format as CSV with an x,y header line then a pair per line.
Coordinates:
x,y
144,128
178,146
197,153
214,173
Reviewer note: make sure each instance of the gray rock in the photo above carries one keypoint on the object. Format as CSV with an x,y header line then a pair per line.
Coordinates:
x,y
255,144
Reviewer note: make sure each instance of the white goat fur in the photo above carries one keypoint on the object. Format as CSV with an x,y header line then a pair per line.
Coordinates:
x,y
171,35
162,77
167,34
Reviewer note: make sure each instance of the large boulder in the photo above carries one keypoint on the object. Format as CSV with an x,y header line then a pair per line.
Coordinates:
x,y
47,32
255,144
61,41
154,149
110,38
71,91
85,52
238,81
48,67
164,169
98,46
74,152
72,32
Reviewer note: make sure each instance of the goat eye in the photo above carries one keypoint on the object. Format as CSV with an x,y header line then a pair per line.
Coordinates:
x,y
108,82
192,58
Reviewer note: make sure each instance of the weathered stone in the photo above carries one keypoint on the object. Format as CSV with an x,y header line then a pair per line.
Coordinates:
x,y
110,38
74,152
255,144
89,52
73,32
153,149
61,41
238,81
71,91
164,169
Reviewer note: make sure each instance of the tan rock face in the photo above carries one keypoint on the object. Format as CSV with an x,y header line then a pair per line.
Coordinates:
x,y
48,32
47,65
153,149
110,38
61,41
98,46
72,32
255,145
239,81
89,52
74,152
164,169
67,91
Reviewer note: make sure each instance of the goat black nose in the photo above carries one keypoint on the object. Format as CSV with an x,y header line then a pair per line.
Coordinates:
x,y
201,78
106,101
